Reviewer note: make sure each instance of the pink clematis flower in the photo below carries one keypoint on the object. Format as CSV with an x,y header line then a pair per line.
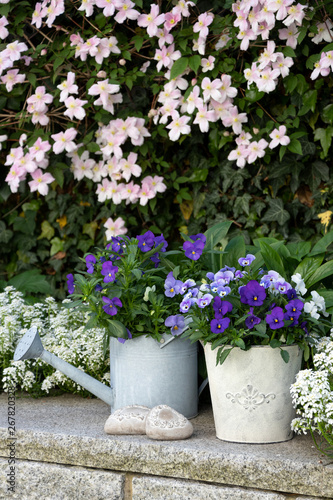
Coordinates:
x,y
239,154
201,26
38,14
203,117
296,14
74,108
39,99
256,150
232,118
289,34
152,20
108,7
64,141
179,126
40,182
171,19
3,31
207,64
114,228
129,167
146,193
13,50
12,78
67,87
39,149
279,137
211,89
125,11
87,6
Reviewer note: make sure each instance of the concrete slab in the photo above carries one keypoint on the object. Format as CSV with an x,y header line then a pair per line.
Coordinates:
x,y
69,430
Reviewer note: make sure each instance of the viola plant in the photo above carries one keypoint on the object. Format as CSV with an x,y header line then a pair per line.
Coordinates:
x,y
120,287
244,307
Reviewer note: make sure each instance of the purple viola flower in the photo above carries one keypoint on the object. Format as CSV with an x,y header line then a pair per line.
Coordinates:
x,y
176,323
291,294
210,276
227,268
221,307
275,318
219,325
70,283
251,320
246,261
194,250
269,279
172,286
160,239
185,305
146,241
98,288
109,271
223,290
191,293
205,300
224,277
295,306
188,284
290,316
239,274
90,261
303,326
200,237
110,305
282,287
252,294
129,336
154,258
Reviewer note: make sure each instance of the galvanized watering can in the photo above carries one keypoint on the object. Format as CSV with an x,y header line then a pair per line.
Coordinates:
x,y
143,372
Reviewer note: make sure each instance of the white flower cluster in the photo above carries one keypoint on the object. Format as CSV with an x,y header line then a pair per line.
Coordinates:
x,y
62,332
312,393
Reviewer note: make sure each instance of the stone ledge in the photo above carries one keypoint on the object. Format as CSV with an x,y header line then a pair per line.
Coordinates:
x,y
69,430
45,481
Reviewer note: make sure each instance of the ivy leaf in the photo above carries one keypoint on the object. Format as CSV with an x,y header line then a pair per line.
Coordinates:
x,y
178,67
276,212
47,231
327,114
324,135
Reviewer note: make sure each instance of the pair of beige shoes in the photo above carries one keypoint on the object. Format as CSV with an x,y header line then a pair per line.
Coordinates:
x,y
160,422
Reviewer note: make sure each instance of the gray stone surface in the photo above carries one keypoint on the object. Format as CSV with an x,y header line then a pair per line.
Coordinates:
x,y
151,488
70,430
57,482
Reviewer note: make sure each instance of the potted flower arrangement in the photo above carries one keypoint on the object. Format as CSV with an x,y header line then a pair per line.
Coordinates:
x,y
312,396
122,289
254,326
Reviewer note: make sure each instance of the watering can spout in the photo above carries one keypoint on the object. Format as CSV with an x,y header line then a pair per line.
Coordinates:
x,y
30,347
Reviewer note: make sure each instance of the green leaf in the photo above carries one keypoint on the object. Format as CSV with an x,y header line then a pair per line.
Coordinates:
x,y
261,328
234,250
32,79
179,67
57,62
117,329
290,83
5,234
240,343
272,259
274,343
47,231
322,272
194,63
58,174
254,95
31,282
284,355
327,114
90,229
295,147
222,355
276,213
57,245
322,244
289,52
299,250
308,266
216,233
324,135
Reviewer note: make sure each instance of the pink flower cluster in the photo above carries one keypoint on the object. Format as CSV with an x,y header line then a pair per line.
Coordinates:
x,y
8,57
37,105
23,161
323,66
256,18
47,11
99,48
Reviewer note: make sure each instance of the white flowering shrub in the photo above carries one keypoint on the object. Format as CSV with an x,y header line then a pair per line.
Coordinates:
x,y
312,396
62,332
